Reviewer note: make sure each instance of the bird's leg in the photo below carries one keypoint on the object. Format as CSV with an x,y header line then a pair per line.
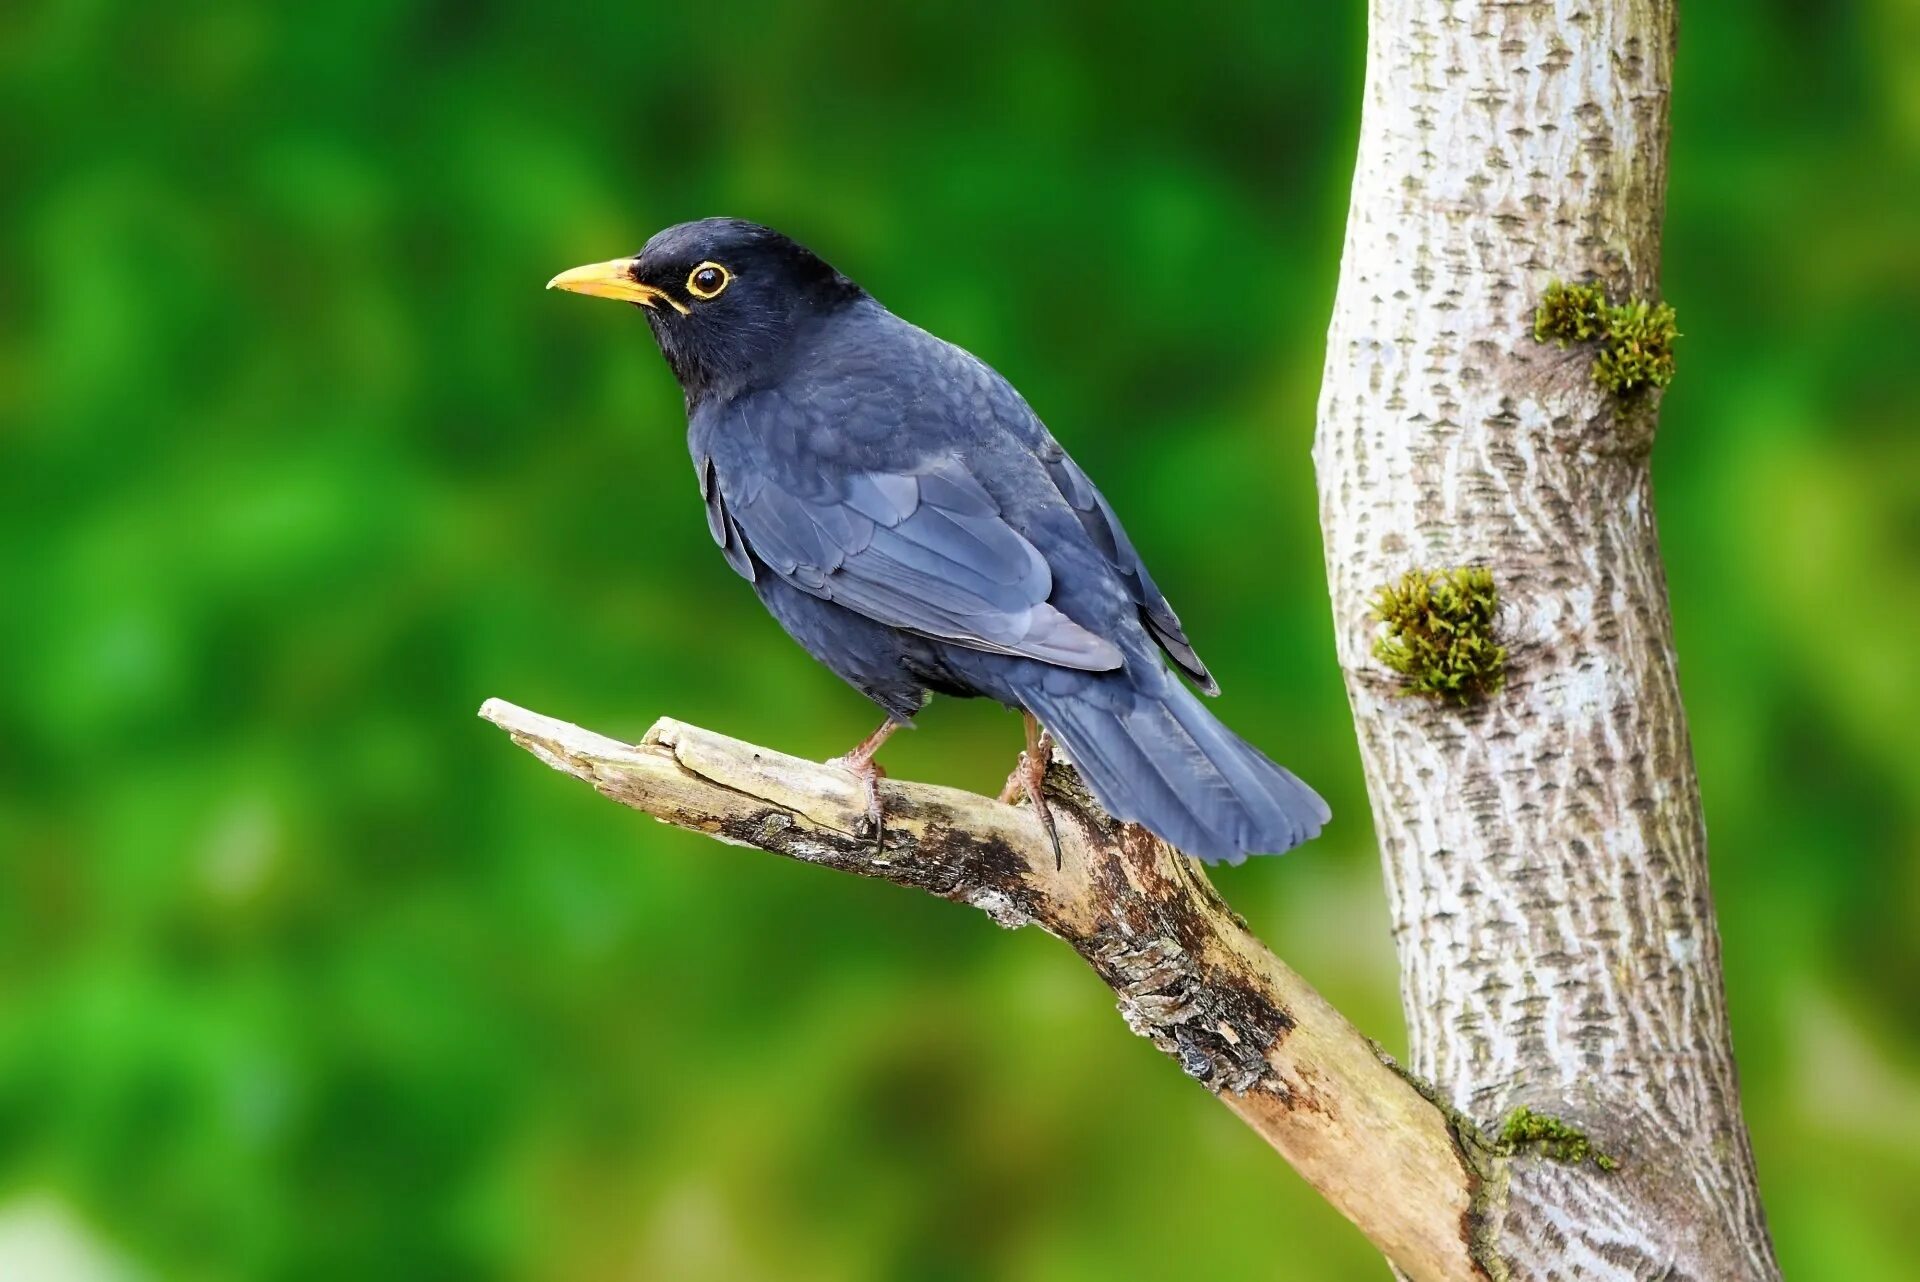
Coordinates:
x,y
1028,776
1039,743
860,764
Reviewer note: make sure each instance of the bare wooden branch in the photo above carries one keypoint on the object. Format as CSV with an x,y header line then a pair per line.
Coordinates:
x,y
1189,975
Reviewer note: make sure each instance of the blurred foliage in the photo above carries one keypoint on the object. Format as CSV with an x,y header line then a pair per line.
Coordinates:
x,y
306,973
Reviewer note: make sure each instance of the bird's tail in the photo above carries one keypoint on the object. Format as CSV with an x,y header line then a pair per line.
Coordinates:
x,y
1158,758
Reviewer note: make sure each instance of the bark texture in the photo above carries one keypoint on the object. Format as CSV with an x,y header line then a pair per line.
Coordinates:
x,y
1544,850
1188,974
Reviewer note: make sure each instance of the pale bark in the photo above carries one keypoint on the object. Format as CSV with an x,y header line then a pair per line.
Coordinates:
x,y
1544,851
1188,973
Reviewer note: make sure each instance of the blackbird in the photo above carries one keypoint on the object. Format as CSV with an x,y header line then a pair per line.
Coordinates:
x,y
908,519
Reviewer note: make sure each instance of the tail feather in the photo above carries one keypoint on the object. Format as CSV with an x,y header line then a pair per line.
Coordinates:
x,y
1158,758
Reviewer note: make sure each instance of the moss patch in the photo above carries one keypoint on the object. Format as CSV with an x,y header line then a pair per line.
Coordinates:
x,y
1559,1141
1439,633
1570,314
1635,337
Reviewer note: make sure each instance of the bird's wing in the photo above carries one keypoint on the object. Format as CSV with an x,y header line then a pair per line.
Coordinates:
x,y
1104,528
927,551
720,523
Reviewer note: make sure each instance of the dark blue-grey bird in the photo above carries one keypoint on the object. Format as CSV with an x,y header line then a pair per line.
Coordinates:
x,y
911,522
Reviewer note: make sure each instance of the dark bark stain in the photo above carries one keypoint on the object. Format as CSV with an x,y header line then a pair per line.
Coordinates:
x,y
1160,924
1217,1026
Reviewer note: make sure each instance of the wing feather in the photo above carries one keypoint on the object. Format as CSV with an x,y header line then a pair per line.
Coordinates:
x,y
1104,528
721,525
927,551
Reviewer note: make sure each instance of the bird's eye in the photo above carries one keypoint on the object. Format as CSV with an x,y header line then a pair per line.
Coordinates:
x,y
707,280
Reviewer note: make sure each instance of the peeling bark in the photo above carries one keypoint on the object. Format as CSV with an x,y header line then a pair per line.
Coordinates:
x,y
1544,850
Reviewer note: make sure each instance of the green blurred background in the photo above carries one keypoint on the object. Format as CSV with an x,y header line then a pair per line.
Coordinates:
x,y
305,973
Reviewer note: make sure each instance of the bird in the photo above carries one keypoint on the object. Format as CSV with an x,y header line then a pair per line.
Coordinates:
x,y
908,519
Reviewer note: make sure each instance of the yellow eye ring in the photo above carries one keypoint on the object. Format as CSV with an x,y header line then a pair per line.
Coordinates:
x,y
708,280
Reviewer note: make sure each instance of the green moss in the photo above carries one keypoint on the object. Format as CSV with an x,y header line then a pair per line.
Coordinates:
x,y
1570,314
1639,348
1559,1141
1439,633
1636,337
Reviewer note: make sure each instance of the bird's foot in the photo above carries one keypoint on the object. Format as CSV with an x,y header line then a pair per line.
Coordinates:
x,y
1028,779
860,764
869,773
1016,785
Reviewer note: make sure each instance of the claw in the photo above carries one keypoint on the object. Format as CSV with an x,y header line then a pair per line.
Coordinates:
x,y
1028,779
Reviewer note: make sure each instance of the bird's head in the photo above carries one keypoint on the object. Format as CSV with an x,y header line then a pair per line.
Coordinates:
x,y
725,298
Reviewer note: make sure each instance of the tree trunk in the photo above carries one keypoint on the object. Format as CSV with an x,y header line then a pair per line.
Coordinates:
x,y
1544,849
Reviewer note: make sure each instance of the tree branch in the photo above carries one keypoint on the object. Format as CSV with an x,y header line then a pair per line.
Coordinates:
x,y
1189,975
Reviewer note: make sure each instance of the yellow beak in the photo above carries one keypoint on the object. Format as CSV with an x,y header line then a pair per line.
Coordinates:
x,y
613,279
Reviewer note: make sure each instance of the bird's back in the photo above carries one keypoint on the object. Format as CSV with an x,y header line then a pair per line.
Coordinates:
x,y
865,392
